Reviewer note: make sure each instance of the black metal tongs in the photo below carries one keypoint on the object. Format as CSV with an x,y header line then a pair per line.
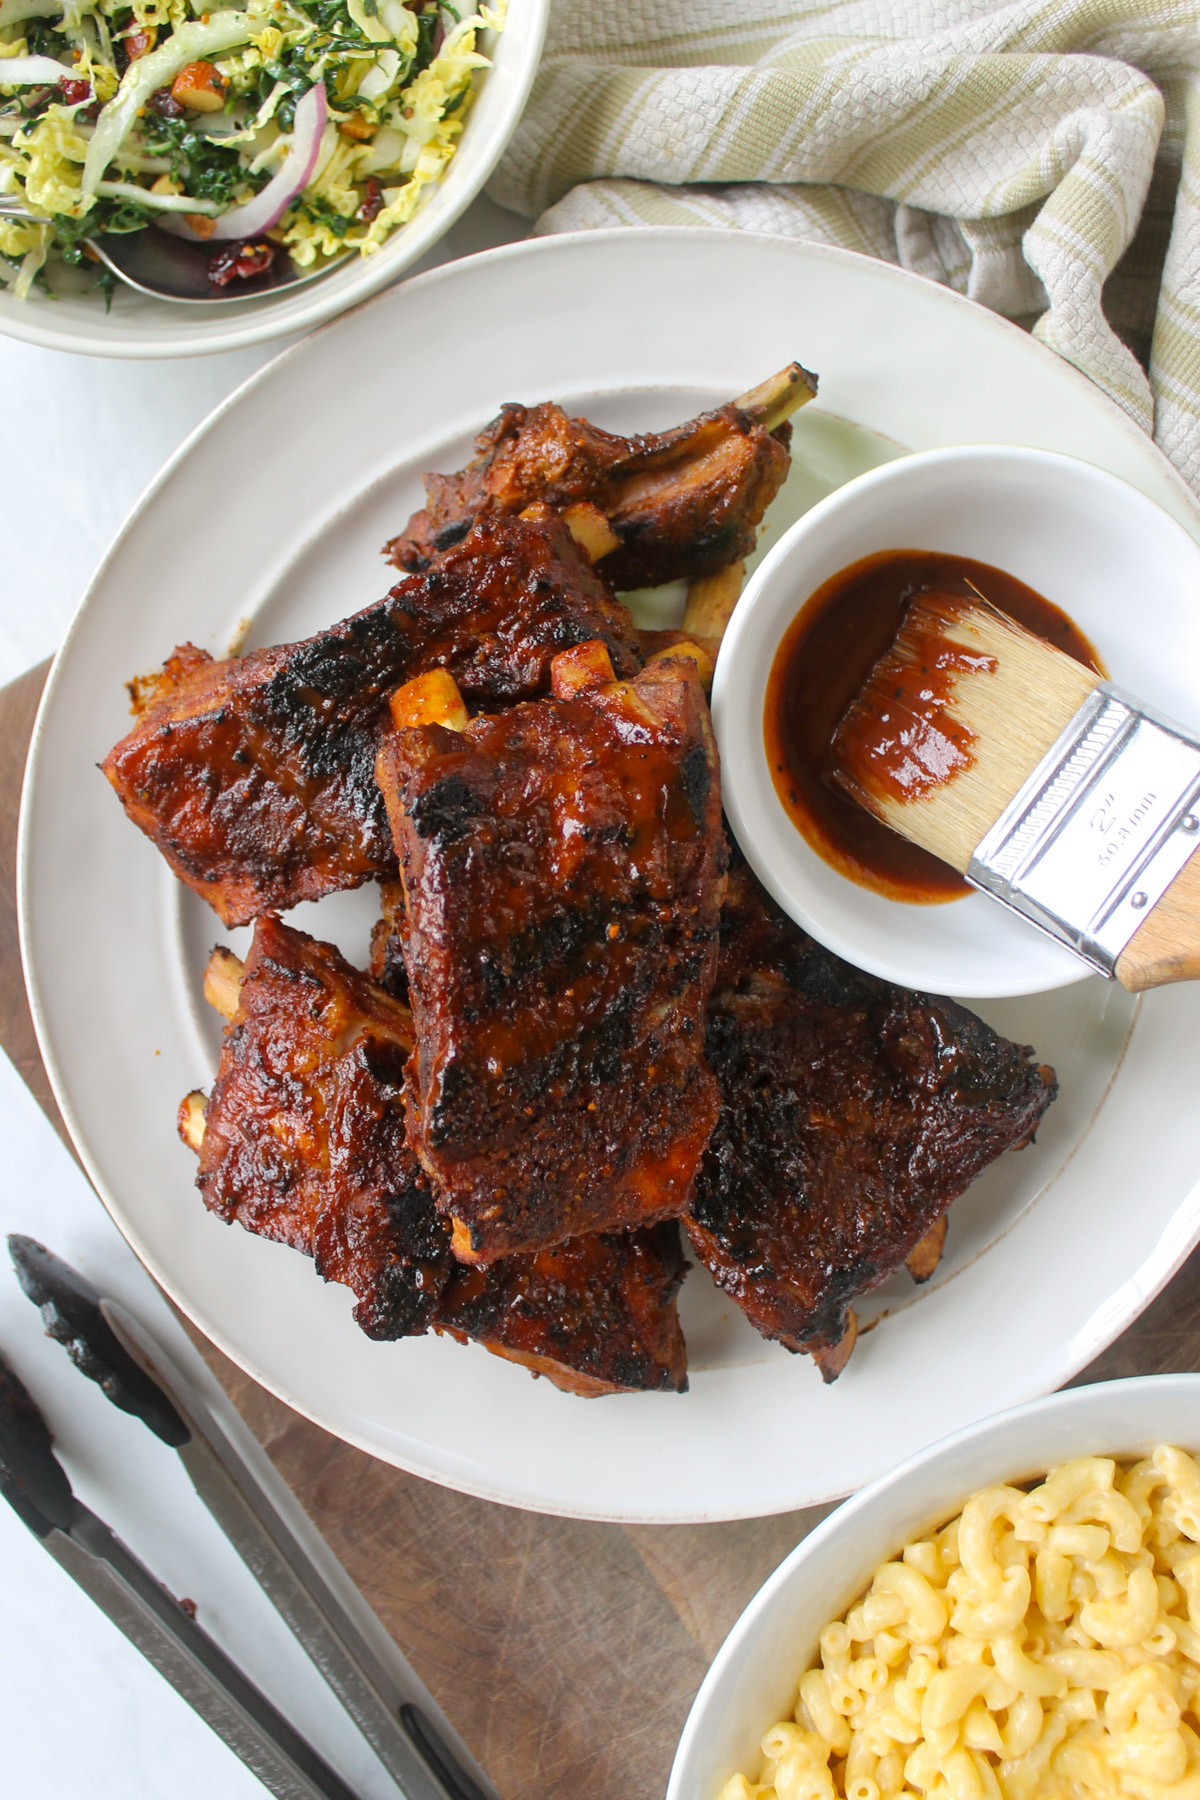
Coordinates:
x,y
382,1694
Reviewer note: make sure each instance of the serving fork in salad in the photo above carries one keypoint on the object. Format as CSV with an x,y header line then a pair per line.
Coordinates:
x,y
170,268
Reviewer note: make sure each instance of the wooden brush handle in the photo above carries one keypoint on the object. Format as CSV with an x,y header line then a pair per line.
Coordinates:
x,y
1167,946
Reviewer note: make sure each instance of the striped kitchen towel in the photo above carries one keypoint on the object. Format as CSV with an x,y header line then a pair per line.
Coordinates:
x,y
1042,157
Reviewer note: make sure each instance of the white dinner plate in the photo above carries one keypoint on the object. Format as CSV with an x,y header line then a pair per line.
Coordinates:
x,y
274,512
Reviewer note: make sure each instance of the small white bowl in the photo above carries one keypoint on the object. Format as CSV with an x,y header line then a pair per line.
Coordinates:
x,y
1124,571
754,1677
143,328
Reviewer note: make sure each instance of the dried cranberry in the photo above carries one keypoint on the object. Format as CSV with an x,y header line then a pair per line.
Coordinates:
x,y
372,204
239,262
163,102
74,91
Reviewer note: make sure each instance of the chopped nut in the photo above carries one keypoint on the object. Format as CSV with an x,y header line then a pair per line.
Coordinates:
x,y
165,185
201,87
357,126
201,224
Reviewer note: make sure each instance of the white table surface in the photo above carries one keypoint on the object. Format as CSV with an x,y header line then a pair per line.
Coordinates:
x,y
81,1714
80,438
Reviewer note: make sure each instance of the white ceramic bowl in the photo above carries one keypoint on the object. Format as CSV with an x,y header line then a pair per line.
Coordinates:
x,y
754,1677
1125,572
140,327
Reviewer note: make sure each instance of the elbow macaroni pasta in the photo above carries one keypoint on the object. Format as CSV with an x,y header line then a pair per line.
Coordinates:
x,y
1041,1646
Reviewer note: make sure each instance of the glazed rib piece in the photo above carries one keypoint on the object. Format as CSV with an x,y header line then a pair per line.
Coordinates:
x,y
255,776
597,1314
677,503
303,1134
853,1113
562,868
303,1141
386,964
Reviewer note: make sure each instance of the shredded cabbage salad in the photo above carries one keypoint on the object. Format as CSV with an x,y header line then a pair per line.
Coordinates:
x,y
116,115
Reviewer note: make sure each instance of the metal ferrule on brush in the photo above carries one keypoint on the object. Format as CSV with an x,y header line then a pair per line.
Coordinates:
x,y
1101,828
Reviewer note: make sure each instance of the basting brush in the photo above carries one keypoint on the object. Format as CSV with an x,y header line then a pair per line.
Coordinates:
x,y
1048,787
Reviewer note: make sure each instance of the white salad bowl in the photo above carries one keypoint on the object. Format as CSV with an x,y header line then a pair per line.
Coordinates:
x,y
137,326
1124,571
753,1680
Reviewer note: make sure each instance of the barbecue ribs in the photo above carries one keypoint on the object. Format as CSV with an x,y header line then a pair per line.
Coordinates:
x,y
303,1137
302,1141
562,867
677,503
254,776
853,1113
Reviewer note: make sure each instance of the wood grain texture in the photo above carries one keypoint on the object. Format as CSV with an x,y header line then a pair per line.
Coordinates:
x,y
18,709
566,1653
1167,946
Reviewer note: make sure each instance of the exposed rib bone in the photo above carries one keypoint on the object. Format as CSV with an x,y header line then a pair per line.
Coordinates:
x,y
779,396
189,1120
576,670
223,981
711,600
590,529
926,1255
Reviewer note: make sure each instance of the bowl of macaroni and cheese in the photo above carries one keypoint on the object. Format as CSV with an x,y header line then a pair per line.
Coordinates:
x,y
1014,1614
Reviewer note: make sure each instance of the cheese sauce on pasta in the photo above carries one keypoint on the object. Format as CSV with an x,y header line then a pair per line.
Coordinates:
x,y
1042,1644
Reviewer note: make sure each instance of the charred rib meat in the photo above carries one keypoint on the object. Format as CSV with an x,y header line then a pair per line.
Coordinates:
x,y
562,870
302,1141
596,1314
853,1113
255,776
677,503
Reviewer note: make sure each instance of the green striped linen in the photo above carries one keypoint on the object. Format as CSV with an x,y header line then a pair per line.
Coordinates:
x,y
1035,156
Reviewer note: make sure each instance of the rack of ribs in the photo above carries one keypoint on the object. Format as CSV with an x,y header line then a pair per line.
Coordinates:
x,y
562,867
665,506
255,776
853,1113
302,1141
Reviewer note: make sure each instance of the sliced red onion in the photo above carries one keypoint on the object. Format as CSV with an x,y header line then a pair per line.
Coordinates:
x,y
292,177
34,71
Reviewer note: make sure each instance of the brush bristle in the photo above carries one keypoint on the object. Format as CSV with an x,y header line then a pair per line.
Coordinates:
x,y
953,719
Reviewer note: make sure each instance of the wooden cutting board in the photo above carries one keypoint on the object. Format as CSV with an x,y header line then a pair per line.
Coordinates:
x,y
567,1654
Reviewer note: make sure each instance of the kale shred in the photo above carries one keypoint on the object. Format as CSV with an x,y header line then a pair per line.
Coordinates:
x,y
206,170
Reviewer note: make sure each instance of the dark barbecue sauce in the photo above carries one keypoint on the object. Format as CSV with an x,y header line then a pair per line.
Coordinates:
x,y
823,661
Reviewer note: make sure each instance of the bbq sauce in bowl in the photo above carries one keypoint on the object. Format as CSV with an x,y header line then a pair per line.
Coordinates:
x,y
822,662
